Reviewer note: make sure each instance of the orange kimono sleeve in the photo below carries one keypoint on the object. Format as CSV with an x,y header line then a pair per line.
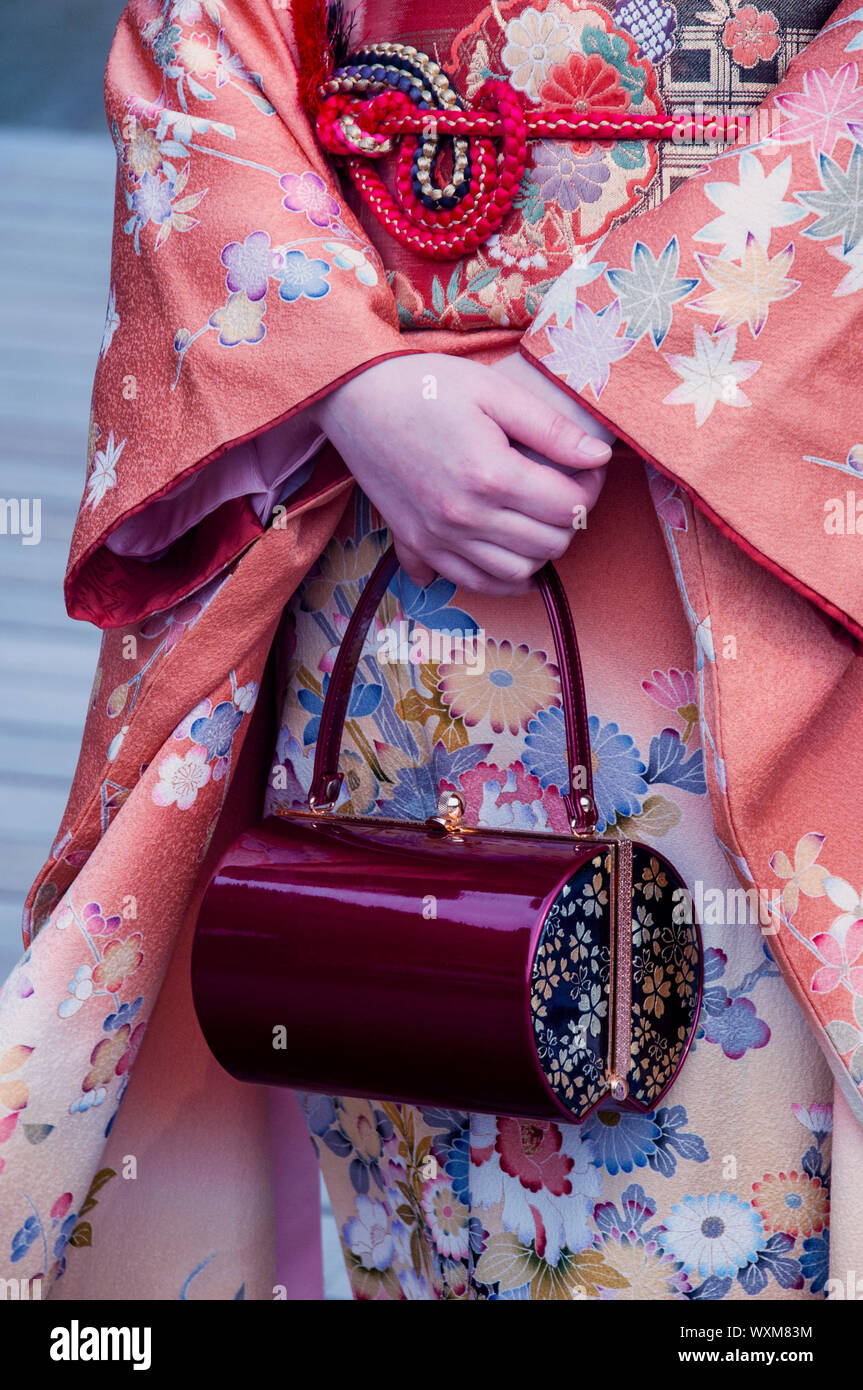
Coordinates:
x,y
242,290
720,333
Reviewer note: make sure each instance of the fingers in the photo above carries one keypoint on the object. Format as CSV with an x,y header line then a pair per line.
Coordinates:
x,y
475,580
522,535
524,417
414,566
545,494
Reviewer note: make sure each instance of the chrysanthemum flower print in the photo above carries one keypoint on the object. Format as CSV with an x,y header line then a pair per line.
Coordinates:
x,y
514,686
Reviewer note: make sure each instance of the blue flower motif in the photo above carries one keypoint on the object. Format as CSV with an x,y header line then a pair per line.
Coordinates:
x,y
622,1140
773,1259
673,1142
302,277
164,45
429,606
319,1112
815,1261
417,788
24,1238
545,749
455,1160
737,1028
364,700
667,762
64,1233
216,732
124,1014
618,784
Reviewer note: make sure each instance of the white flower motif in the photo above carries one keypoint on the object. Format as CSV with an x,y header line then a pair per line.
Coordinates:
x,y
850,903
560,299
80,988
711,375
185,11
103,473
567,1223
180,779
368,1235
752,207
716,1234
112,322
351,258
536,41
245,697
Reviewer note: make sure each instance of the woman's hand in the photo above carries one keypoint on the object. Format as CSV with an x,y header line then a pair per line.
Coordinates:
x,y
427,437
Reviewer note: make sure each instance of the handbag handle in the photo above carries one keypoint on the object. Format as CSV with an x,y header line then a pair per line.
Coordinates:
x,y
327,779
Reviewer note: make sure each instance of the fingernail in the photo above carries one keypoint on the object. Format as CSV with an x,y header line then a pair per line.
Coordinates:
x,y
591,448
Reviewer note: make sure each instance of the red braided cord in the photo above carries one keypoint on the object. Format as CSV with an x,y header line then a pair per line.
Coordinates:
x,y
498,115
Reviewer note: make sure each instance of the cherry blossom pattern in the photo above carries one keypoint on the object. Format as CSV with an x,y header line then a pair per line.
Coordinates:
x,y
254,264
751,36
192,59
805,875
308,193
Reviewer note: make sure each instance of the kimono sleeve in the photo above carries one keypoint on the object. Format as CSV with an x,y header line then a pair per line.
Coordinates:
x,y
242,290
720,333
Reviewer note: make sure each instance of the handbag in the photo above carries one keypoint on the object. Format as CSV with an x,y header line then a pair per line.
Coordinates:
x,y
436,963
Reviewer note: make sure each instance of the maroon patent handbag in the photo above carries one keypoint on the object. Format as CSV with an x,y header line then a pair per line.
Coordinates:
x,y
439,964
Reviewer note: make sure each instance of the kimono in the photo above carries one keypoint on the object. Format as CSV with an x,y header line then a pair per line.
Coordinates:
x,y
702,302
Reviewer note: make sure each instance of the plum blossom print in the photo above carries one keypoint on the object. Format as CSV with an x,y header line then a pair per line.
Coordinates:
x,y
751,36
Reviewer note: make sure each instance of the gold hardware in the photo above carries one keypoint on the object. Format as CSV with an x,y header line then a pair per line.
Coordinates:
x,y
331,791
451,807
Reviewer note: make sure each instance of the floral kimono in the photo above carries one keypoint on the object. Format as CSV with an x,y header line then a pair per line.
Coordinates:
x,y
703,301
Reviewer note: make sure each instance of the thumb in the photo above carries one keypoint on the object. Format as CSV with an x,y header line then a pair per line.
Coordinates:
x,y
524,417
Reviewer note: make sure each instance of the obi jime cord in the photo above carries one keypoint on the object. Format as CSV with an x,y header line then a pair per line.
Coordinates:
x,y
389,98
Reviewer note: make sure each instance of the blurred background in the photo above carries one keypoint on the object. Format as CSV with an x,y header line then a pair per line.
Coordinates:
x,y
56,205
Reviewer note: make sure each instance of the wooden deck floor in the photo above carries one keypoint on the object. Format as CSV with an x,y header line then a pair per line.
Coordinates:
x,y
56,200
